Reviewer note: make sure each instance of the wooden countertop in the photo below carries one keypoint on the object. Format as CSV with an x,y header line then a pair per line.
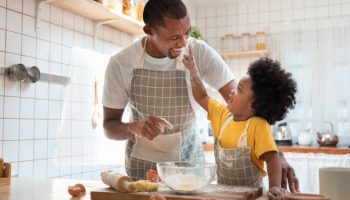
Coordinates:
x,y
315,149
45,189
301,149
49,189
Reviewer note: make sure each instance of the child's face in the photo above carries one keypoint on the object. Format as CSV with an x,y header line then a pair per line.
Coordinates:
x,y
241,98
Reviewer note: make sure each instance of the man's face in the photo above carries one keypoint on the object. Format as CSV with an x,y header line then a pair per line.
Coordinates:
x,y
168,40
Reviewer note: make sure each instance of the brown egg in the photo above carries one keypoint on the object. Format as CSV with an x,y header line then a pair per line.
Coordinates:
x,y
81,186
152,175
74,191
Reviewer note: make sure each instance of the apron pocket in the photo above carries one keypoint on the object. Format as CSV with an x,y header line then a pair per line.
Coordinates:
x,y
163,148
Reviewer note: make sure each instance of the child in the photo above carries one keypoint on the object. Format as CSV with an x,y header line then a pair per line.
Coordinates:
x,y
242,132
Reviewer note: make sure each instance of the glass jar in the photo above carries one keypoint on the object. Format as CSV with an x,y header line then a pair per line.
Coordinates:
x,y
140,8
226,42
234,46
245,43
260,41
129,8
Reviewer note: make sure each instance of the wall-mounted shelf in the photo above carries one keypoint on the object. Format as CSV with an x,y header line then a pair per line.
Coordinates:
x,y
98,13
229,55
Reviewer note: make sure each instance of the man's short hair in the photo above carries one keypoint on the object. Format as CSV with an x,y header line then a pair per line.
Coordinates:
x,y
156,10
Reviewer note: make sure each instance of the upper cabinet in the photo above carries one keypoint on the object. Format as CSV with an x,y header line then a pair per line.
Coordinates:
x,y
98,13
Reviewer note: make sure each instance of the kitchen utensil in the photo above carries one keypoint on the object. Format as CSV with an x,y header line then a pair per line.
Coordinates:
x,y
212,191
18,72
304,138
282,135
326,136
186,177
334,182
34,74
96,117
118,181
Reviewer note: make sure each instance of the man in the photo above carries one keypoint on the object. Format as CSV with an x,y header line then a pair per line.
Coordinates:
x,y
149,76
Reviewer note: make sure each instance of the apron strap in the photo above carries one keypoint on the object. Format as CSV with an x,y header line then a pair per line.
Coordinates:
x,y
224,126
142,60
243,140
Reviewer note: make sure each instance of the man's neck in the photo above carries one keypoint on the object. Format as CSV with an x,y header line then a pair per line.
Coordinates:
x,y
151,50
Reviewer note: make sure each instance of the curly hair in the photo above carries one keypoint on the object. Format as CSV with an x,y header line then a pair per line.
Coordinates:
x,y
273,88
156,10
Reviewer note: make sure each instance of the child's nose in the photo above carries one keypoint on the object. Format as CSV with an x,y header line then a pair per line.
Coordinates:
x,y
233,92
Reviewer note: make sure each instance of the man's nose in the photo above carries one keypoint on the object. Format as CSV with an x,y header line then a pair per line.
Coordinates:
x,y
182,41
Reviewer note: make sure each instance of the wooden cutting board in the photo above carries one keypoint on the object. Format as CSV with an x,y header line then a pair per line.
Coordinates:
x,y
218,192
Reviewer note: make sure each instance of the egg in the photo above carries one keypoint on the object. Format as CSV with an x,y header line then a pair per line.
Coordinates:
x,y
74,191
81,186
152,175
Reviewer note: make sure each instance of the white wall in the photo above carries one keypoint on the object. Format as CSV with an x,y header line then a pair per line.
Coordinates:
x,y
45,128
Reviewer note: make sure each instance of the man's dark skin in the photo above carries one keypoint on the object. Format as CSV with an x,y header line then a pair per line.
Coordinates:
x,y
165,41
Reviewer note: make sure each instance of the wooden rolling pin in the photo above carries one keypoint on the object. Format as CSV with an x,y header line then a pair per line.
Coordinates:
x,y
118,181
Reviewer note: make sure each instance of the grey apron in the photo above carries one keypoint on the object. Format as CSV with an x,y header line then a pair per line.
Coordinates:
x,y
233,165
163,94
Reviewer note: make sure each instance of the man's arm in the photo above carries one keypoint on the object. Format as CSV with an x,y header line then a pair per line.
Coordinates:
x,y
226,89
288,175
149,127
114,128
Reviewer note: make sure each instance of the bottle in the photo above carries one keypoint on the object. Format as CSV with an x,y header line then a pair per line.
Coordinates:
x,y
127,7
260,41
245,43
140,8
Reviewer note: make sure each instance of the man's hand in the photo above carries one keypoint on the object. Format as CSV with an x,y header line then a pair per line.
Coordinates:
x,y
288,176
149,127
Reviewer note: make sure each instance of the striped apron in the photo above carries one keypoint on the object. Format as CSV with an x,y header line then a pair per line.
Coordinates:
x,y
163,94
233,165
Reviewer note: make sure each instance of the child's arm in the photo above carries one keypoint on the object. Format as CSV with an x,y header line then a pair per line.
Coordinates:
x,y
198,89
274,169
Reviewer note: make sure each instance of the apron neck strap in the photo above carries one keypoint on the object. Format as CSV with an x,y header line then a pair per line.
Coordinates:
x,y
178,61
142,60
224,126
243,139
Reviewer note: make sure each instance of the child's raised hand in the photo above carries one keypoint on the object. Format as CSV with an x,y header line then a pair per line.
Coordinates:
x,y
188,60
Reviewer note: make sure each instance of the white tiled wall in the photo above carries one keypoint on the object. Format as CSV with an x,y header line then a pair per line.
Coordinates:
x,y
270,16
45,128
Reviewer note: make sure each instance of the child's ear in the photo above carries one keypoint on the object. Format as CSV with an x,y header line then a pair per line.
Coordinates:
x,y
251,110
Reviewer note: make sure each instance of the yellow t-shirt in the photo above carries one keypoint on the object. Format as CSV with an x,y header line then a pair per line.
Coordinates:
x,y
259,132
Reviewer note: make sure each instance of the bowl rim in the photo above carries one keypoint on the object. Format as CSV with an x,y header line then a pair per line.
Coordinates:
x,y
199,163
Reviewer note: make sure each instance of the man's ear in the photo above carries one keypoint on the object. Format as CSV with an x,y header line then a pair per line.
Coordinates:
x,y
148,30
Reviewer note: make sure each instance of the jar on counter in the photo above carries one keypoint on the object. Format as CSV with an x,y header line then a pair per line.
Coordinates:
x,y
140,8
226,43
129,8
245,41
260,41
